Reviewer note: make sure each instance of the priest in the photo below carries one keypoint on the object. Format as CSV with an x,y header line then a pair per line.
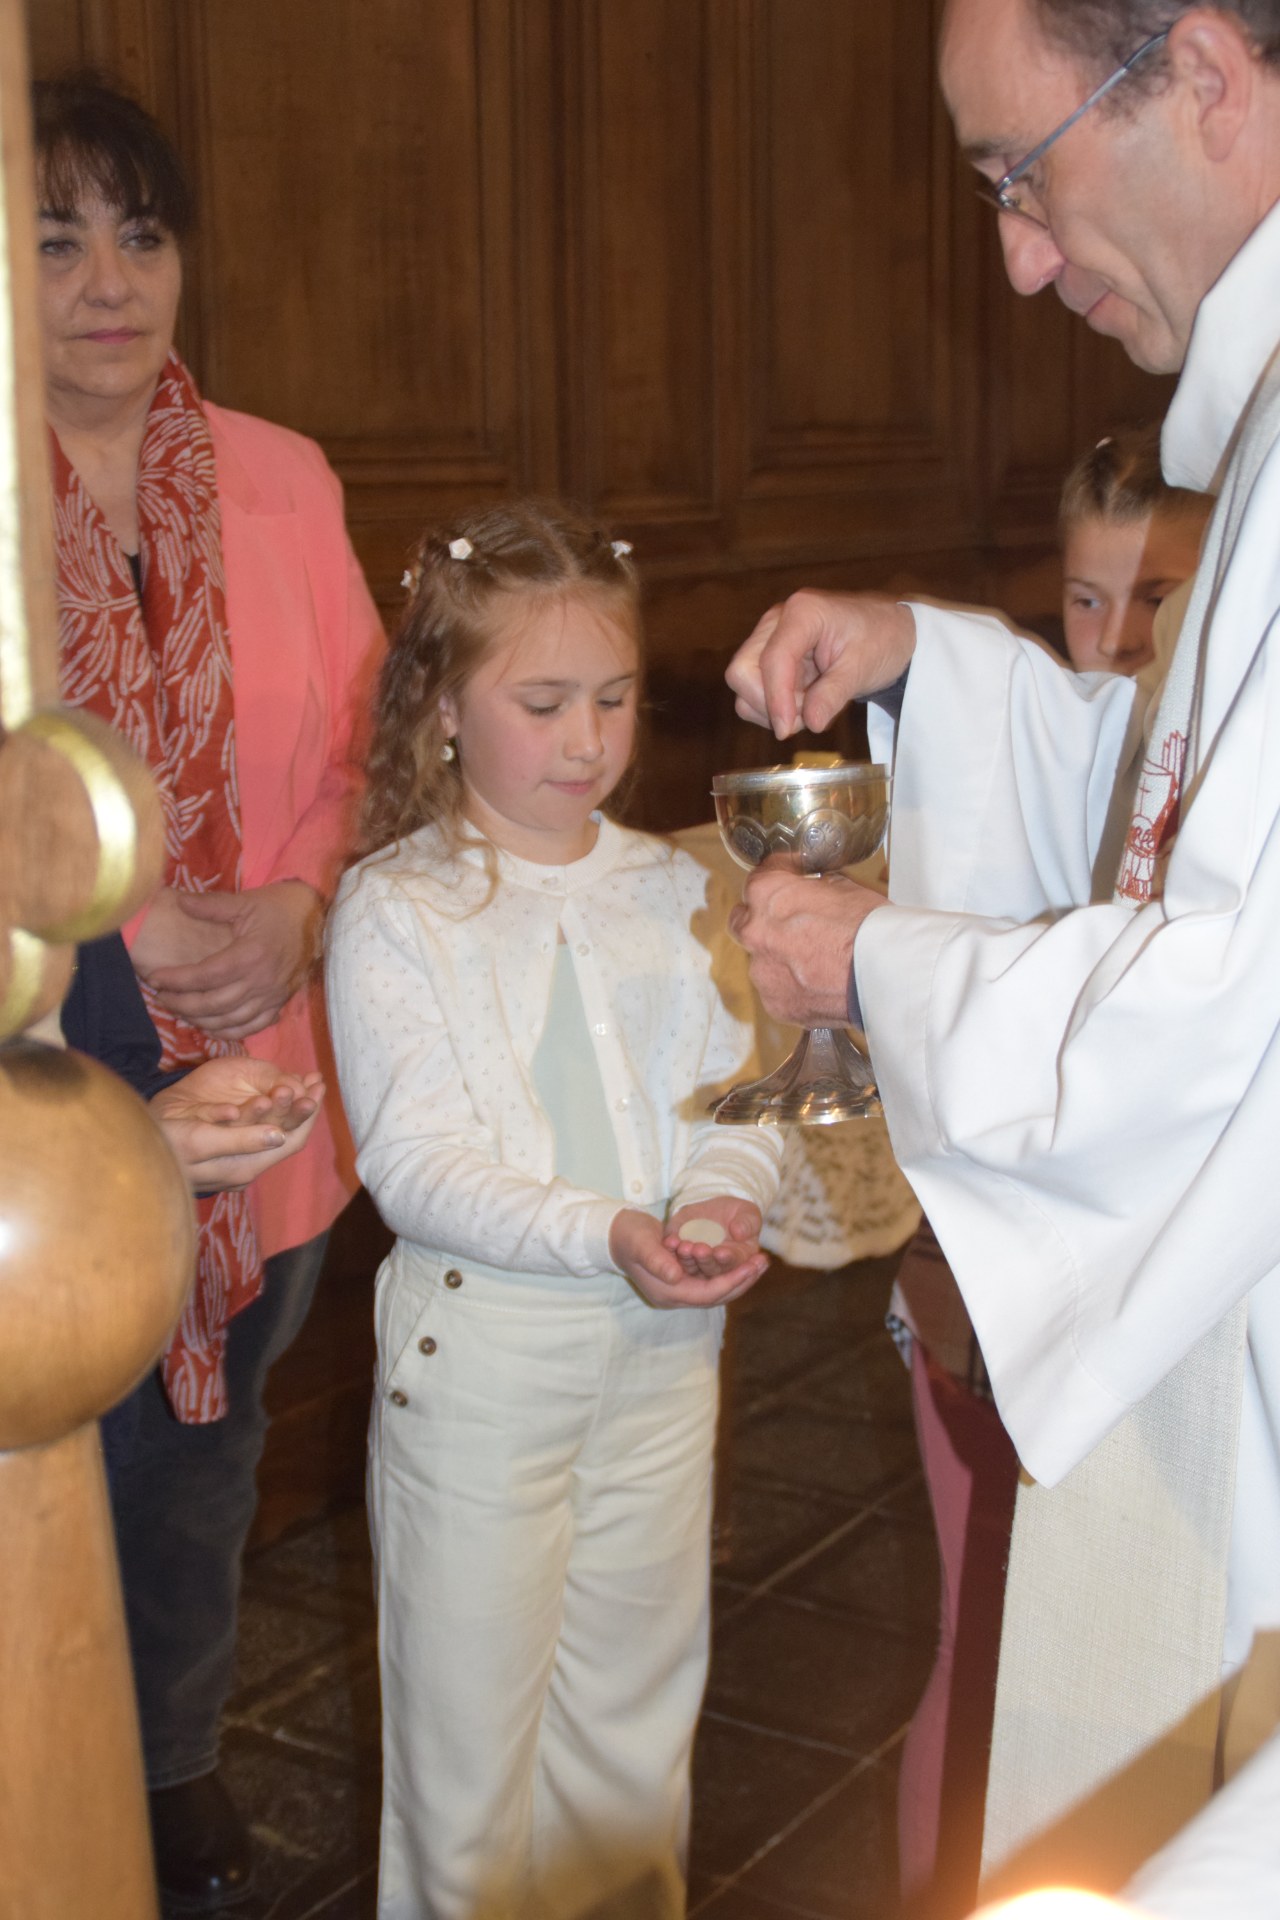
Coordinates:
x,y
1072,998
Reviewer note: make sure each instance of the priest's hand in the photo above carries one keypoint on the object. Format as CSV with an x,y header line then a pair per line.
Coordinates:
x,y
799,931
810,656
269,941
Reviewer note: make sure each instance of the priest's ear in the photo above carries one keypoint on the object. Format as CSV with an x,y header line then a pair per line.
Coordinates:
x,y
1225,95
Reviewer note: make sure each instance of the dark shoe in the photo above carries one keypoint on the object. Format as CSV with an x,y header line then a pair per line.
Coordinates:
x,y
204,1858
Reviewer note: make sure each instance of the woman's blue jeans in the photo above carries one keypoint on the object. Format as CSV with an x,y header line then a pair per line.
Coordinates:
x,y
183,1499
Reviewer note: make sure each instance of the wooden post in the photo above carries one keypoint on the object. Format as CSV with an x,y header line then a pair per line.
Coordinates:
x,y
98,1244
96,1230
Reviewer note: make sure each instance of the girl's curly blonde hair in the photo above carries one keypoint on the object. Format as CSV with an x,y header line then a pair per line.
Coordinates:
x,y
457,573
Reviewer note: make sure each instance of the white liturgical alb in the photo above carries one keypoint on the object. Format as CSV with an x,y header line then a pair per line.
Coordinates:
x,y
1086,1097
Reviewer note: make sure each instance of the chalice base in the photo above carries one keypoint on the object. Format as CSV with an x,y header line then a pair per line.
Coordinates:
x,y
826,1079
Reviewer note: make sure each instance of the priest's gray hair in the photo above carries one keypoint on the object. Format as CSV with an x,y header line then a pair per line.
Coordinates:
x,y
1104,33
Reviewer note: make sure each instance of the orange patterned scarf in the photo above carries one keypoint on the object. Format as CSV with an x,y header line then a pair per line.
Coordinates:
x,y
160,672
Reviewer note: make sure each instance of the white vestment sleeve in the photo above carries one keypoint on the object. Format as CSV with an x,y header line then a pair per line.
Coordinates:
x,y
1079,1094
1004,776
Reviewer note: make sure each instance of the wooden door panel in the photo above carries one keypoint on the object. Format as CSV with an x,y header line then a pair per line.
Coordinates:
x,y
845,347
854,436
356,235
1111,391
641,80
57,39
1053,388
1032,405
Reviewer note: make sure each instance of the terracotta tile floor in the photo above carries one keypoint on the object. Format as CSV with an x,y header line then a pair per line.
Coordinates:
x,y
825,1601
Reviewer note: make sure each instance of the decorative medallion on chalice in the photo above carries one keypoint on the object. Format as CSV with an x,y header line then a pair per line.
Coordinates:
x,y
824,818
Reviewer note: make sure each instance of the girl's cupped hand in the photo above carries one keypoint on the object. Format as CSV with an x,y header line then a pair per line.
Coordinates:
x,y
642,1249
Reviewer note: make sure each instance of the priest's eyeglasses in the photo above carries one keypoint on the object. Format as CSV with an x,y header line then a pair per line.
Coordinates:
x,y
1005,194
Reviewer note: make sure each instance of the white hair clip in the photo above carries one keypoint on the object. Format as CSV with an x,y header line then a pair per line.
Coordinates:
x,y
409,579
460,549
621,548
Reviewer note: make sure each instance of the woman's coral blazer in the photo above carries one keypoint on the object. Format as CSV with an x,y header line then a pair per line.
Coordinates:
x,y
306,643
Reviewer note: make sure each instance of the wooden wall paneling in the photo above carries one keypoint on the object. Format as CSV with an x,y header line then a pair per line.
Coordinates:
x,y
713,266
966,229
134,41
844,352
56,33
852,422
651,335
130,41
823,481
538,137
1055,386
1031,388
358,272
642,313
345,226
1110,390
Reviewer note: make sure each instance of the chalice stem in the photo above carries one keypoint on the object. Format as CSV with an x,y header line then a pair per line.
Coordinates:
x,y
825,1079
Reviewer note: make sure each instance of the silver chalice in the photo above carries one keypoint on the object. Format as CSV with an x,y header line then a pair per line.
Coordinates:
x,y
824,818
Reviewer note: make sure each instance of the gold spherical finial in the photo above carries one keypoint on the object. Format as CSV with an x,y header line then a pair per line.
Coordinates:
x,y
97,1241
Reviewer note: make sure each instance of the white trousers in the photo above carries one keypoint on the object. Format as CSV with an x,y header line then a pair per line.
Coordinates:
x,y
540,1497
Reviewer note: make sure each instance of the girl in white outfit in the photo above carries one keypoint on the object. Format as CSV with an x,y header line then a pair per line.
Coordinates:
x,y
532,1008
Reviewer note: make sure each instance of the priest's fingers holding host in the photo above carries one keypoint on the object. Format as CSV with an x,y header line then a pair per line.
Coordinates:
x,y
799,931
810,655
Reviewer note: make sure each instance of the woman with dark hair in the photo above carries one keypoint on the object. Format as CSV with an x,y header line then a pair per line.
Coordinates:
x,y
212,609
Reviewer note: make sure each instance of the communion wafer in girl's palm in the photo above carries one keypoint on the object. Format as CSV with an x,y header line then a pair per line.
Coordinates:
x,y
705,1233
